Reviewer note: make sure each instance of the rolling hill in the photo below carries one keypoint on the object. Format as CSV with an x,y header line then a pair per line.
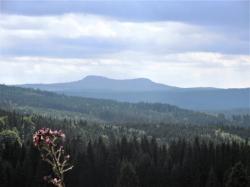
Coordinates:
x,y
144,90
49,103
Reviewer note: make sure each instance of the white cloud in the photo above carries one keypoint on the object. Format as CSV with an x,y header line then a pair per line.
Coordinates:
x,y
184,69
137,35
167,52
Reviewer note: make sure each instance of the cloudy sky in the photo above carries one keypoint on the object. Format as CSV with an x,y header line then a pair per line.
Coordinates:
x,y
179,43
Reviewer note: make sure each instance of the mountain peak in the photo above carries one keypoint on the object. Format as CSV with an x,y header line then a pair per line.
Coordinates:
x,y
89,77
103,83
98,77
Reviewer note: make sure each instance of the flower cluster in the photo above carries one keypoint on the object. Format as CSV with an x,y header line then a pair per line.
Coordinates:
x,y
47,141
46,136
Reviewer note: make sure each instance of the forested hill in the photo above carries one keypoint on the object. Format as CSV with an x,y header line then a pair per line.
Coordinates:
x,y
145,90
48,103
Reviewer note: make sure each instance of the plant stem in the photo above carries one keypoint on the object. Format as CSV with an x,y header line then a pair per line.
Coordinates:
x,y
57,166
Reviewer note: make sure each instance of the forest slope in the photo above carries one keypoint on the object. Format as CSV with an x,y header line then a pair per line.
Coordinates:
x,y
53,104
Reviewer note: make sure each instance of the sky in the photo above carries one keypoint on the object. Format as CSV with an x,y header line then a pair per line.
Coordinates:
x,y
180,43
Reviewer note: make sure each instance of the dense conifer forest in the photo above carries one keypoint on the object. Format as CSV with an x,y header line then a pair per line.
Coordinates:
x,y
116,144
122,156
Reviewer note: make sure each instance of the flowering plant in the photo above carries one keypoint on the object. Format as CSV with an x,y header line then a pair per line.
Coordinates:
x,y
48,143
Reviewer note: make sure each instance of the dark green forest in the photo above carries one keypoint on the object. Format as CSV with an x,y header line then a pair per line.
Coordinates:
x,y
107,111
122,156
116,144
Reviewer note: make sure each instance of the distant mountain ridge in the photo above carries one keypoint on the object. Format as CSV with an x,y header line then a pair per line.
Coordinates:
x,y
145,90
93,82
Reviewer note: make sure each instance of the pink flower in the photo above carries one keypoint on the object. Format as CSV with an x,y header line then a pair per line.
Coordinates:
x,y
48,141
55,181
46,136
